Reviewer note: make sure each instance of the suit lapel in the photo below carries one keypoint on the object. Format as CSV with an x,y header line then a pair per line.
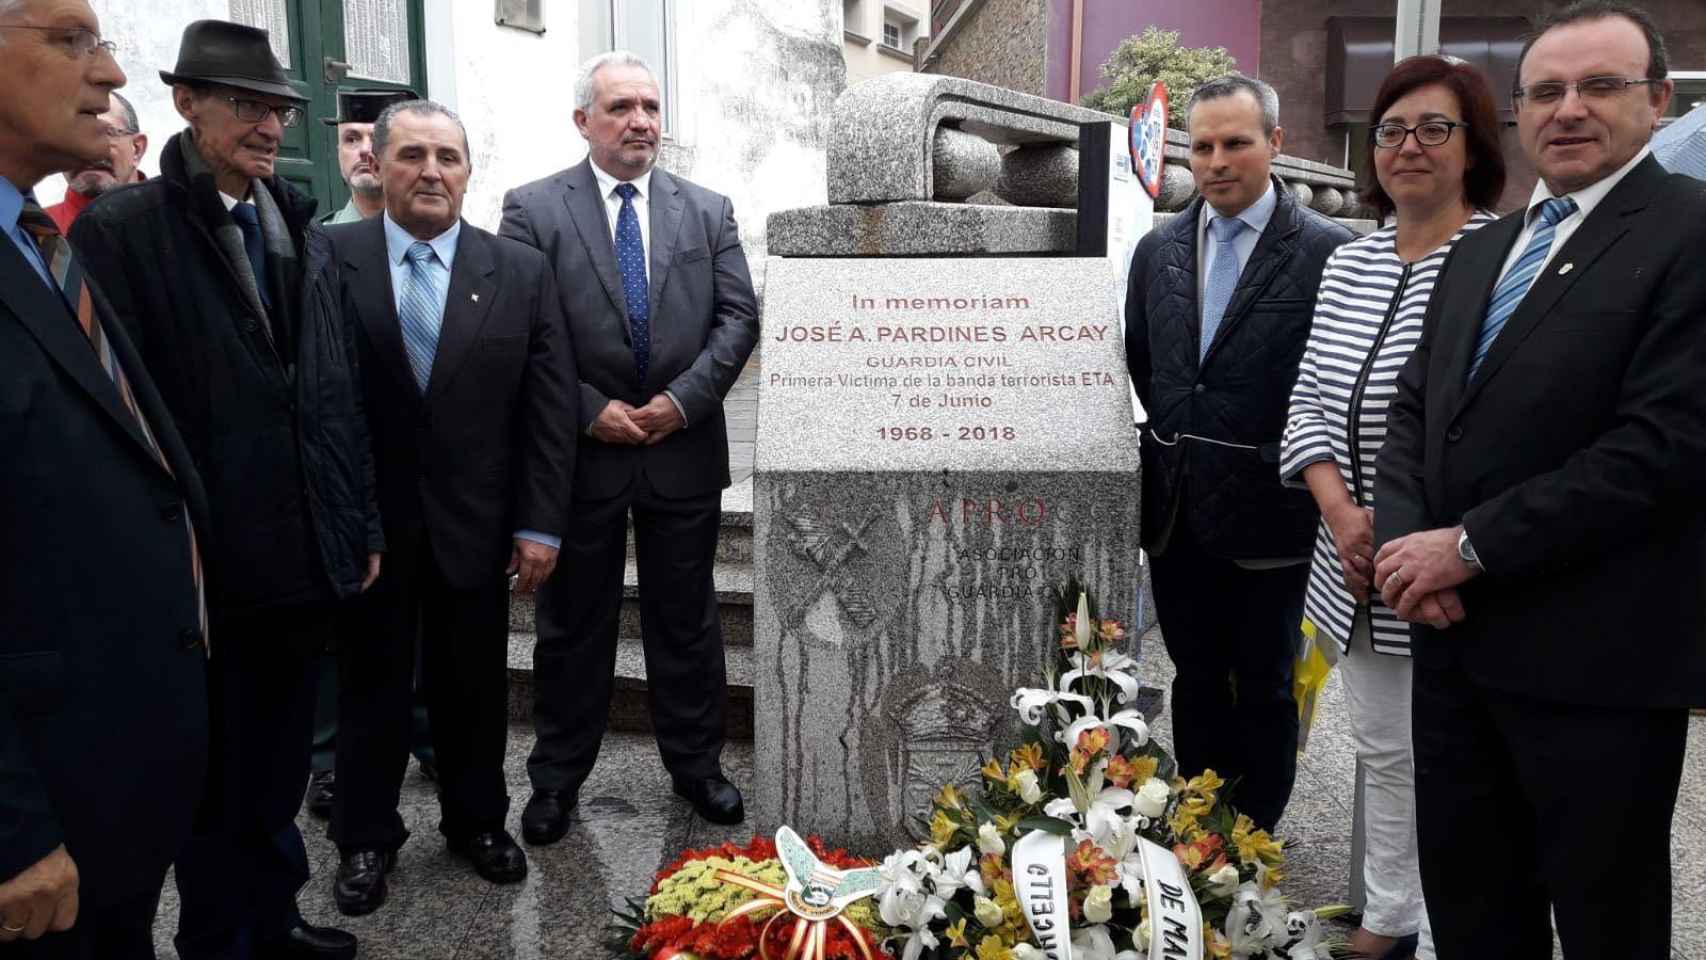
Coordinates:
x,y
1470,290
586,209
1188,285
43,312
1604,227
378,302
664,213
465,307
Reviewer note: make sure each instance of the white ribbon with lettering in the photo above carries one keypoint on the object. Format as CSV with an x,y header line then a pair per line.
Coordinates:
x,y
1039,880
1175,919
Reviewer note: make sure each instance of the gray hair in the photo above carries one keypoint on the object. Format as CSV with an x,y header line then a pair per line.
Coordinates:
x,y
382,126
118,103
1231,85
589,71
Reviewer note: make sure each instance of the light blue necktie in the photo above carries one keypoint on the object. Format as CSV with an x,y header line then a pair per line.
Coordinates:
x,y
1508,296
1222,279
421,311
631,260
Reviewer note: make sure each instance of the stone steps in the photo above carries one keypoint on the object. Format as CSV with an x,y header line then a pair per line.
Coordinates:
x,y
629,706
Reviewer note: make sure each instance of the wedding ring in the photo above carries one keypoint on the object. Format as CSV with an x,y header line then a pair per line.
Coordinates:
x,y
11,929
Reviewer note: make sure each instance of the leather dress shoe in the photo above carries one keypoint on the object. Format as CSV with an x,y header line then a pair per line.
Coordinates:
x,y
319,943
321,787
360,885
714,798
495,856
546,817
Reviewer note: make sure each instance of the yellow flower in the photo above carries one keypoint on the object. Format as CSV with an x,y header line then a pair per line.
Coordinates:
x,y
1206,784
942,828
991,948
949,797
957,934
1007,901
1031,754
1215,943
1004,823
1255,845
992,772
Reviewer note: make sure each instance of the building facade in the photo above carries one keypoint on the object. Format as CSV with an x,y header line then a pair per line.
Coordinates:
x,y
878,36
748,84
1324,57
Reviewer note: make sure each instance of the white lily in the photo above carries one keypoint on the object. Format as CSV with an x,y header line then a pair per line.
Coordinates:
x,y
1256,920
1117,667
957,872
1083,622
1031,701
1305,927
1092,808
904,902
1129,719
1094,943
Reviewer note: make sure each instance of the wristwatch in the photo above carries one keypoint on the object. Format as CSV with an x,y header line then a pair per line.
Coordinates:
x,y
1466,552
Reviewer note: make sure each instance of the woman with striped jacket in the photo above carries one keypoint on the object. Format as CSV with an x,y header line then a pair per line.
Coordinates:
x,y
1434,171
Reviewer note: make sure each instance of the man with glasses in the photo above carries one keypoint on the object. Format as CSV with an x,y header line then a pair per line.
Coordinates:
x,y
227,284
1540,481
126,144
103,706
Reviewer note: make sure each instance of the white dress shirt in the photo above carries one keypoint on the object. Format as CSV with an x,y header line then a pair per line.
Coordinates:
x,y
607,185
1587,198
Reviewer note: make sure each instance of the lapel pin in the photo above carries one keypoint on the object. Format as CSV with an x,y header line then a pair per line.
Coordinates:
x,y
1566,268
475,297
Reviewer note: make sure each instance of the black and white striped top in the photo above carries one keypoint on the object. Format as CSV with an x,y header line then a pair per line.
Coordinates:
x,y
1368,319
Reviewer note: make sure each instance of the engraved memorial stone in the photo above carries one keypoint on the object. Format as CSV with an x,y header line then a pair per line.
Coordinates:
x,y
942,443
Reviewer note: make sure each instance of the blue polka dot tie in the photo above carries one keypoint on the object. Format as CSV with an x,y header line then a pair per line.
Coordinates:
x,y
631,260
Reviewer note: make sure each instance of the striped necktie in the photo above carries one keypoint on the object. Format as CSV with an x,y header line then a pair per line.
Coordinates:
x,y
421,310
1510,291
68,274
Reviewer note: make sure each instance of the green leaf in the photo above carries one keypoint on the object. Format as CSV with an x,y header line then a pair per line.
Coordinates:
x,y
1054,825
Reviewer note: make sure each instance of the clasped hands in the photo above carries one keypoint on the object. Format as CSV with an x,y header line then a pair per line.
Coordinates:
x,y
43,898
1417,574
627,424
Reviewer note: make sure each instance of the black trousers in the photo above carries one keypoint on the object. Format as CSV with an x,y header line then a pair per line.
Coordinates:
x,y
116,931
463,638
574,661
1232,634
245,861
325,756
1528,811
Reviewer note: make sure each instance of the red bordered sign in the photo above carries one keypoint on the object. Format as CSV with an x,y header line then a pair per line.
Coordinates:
x,y
1149,138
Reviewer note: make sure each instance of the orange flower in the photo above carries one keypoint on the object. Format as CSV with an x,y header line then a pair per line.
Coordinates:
x,y
1031,755
1093,740
1120,772
1092,864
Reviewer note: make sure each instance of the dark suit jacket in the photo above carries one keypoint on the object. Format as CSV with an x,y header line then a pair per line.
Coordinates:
x,y
1228,500
103,687
490,449
704,321
1575,459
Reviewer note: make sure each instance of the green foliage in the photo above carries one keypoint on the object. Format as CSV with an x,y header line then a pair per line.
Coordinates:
x,y
1156,55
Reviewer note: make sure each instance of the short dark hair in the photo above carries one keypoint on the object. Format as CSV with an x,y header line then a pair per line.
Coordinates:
x,y
1658,64
1484,181
127,111
1233,84
382,126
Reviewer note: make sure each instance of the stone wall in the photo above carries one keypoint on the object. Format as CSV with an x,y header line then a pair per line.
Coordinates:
x,y
999,42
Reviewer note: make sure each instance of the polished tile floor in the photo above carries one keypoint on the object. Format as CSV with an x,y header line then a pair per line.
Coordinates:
x,y
629,823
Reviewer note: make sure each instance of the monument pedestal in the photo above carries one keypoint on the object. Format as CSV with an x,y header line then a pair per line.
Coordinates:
x,y
942,445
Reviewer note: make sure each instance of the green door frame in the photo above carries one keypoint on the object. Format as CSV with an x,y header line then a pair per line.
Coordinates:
x,y
308,157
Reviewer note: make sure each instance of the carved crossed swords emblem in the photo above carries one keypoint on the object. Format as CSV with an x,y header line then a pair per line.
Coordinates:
x,y
831,546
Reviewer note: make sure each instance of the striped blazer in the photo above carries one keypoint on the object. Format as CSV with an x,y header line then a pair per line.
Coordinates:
x,y
1368,318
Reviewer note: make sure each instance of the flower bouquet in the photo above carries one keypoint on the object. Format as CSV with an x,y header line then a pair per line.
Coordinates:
x,y
1087,843
731,902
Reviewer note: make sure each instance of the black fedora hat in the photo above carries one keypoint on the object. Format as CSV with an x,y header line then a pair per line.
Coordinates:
x,y
365,106
231,55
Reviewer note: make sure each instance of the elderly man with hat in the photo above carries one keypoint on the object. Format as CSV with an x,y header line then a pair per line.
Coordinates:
x,y
227,285
357,111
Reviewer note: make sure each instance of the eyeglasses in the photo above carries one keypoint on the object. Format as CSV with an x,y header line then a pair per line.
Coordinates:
x,y
254,111
1391,136
1549,92
113,133
78,41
